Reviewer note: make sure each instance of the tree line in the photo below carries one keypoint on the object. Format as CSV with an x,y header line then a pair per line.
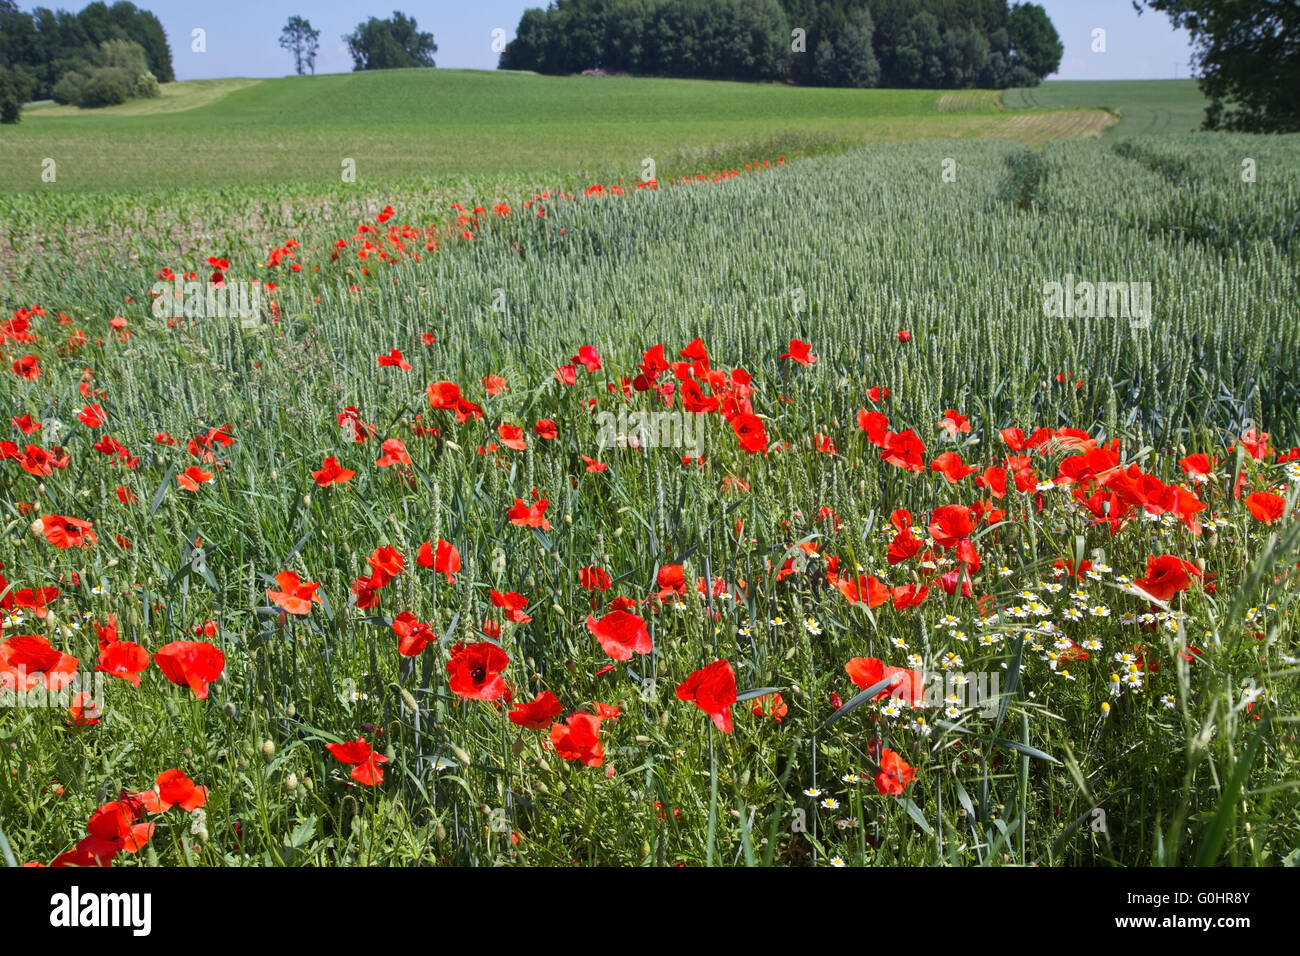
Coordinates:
x,y
933,44
101,55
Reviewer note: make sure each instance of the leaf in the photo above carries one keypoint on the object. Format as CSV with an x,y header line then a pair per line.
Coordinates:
x,y
162,490
1025,749
756,692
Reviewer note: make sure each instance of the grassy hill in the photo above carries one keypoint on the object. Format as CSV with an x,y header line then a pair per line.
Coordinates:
x,y
434,123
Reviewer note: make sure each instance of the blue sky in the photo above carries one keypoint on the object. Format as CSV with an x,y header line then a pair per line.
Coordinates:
x,y
242,35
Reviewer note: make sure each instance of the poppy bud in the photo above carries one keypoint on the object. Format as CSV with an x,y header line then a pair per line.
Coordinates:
x,y
460,755
541,787
307,784
663,720
37,528
568,519
557,609
441,832
268,748
306,501
543,766
408,699
517,747
290,710
291,782
644,741
229,710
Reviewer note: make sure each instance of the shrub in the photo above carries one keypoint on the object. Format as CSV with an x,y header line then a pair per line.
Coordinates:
x,y
146,86
107,86
1023,184
69,89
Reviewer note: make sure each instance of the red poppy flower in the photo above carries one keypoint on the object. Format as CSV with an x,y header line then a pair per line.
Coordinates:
x,y
588,357
950,465
193,664
1266,506
295,595
949,524
475,671
751,432
543,709
1166,576
394,360
445,560
513,603
593,466
28,659
713,690
530,516
905,684
545,428
394,453
115,824
953,423
578,738
92,416
800,352
903,449
512,436
444,395
28,367
366,760
123,659
63,532
175,789
895,774
192,477
621,634
332,473
594,579
412,635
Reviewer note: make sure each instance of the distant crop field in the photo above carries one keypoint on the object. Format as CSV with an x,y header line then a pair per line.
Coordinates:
x,y
432,123
1143,107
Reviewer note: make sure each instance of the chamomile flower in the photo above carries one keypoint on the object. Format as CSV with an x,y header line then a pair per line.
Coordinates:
x,y
837,861
812,792
1100,610
1168,701
811,626
830,803
777,621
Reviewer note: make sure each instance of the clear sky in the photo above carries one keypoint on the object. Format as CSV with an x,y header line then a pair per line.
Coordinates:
x,y
242,35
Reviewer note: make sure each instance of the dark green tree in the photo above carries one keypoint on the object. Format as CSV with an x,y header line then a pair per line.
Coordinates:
x,y
392,44
1248,57
302,41
1034,41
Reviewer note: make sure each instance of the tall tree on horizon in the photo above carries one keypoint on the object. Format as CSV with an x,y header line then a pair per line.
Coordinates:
x,y
301,40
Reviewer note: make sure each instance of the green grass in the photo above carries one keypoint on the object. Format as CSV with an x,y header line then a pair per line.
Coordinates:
x,y
1144,107
433,123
